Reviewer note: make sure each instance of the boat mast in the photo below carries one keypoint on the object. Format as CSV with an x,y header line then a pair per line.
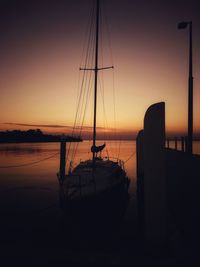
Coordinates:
x,y
95,78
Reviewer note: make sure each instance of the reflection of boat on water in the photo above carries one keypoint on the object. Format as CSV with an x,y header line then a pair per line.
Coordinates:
x,y
97,187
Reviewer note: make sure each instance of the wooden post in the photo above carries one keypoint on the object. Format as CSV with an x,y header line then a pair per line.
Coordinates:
x,y
176,143
186,143
62,161
167,142
140,184
182,144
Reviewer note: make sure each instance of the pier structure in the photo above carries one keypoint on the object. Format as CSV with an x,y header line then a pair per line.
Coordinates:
x,y
151,174
167,183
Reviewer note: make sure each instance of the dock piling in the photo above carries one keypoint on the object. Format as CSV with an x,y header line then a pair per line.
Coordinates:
x,y
168,143
62,161
182,144
176,143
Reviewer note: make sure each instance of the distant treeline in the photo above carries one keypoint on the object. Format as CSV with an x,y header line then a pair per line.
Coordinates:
x,y
33,136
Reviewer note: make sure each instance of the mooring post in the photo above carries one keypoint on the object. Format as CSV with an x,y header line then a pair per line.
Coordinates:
x,y
176,142
186,144
140,184
167,142
182,144
62,160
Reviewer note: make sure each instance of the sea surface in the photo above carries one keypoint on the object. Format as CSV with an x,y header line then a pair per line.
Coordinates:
x,y
28,172
32,164
29,201
31,169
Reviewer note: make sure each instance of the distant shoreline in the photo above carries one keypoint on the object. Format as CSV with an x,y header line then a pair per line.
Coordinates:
x,y
37,136
70,140
34,136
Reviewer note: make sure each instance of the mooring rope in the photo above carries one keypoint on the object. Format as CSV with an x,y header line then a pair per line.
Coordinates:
x,y
30,163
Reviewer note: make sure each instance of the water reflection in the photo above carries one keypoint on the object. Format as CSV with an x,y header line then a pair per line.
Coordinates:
x,y
45,171
29,199
19,150
25,149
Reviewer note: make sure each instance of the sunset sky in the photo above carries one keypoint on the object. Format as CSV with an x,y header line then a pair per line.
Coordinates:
x,y
40,54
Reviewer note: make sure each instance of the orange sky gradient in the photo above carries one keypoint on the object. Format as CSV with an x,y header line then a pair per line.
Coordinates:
x,y
39,72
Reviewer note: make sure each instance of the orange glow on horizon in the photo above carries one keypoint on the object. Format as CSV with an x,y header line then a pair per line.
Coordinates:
x,y
39,76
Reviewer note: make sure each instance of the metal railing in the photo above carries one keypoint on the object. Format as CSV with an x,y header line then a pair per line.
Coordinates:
x,y
177,143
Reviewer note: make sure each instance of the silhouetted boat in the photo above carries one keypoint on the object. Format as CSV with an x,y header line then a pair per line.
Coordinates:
x,y
97,188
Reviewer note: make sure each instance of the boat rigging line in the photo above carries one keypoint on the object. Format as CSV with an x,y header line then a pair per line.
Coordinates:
x,y
83,94
89,65
133,154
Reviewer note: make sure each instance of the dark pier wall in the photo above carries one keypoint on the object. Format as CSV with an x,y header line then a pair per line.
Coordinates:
x,y
183,191
168,183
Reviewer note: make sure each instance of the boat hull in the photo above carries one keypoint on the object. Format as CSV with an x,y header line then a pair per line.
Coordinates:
x,y
103,207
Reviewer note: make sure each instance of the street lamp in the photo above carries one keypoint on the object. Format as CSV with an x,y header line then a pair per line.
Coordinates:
x,y
183,25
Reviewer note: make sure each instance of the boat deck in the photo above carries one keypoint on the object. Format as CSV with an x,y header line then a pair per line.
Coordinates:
x,y
86,180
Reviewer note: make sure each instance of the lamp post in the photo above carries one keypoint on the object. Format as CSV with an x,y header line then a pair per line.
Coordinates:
x,y
183,25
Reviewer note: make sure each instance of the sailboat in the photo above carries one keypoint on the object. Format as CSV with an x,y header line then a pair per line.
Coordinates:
x,y
97,187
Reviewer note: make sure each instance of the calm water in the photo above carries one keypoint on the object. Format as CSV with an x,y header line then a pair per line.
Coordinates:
x,y
43,174
34,188
29,199
45,171
29,204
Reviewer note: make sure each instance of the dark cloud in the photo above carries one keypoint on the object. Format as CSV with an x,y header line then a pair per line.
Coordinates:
x,y
47,125
37,125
